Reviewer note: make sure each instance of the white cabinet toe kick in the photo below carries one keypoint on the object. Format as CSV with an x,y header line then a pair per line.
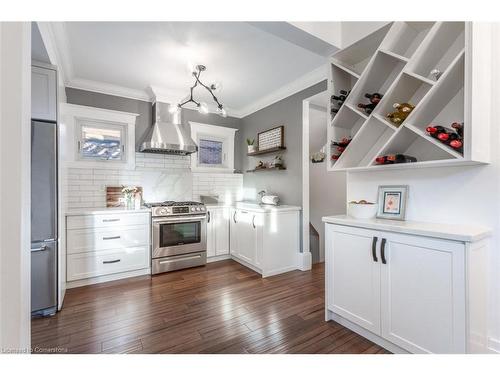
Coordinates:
x,y
406,286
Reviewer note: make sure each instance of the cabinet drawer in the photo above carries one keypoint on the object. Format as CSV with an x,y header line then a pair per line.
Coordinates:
x,y
85,265
88,240
107,220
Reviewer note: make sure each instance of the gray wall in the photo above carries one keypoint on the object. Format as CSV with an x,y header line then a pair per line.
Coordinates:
x,y
143,108
288,112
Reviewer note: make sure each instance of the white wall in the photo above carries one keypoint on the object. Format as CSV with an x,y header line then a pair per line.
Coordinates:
x,y
469,195
329,32
327,191
339,34
354,31
15,130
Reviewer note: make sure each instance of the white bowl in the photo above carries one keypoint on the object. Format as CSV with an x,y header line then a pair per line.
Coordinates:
x,y
362,211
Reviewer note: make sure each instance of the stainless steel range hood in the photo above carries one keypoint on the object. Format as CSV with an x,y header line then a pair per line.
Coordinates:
x,y
167,135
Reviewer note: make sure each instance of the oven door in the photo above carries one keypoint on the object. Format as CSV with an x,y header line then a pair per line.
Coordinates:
x,y
179,235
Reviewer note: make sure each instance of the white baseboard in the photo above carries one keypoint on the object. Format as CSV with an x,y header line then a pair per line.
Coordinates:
x,y
304,261
493,345
103,279
218,257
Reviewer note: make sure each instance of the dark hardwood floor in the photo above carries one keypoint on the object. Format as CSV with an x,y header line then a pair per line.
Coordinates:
x,y
221,308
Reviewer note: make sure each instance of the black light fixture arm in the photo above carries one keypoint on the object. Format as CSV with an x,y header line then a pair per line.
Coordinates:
x,y
210,89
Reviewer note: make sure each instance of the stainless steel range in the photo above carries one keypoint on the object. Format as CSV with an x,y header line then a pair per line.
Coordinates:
x,y
179,235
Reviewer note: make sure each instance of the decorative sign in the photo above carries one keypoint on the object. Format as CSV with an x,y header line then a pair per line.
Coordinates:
x,y
272,138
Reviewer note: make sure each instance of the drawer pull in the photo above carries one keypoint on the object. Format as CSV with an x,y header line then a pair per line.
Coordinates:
x,y
111,238
374,249
111,261
178,259
382,251
110,220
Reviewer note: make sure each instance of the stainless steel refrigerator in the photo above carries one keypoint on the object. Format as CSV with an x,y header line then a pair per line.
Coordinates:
x,y
43,217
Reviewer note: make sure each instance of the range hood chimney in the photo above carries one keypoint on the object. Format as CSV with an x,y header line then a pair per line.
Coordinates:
x,y
167,135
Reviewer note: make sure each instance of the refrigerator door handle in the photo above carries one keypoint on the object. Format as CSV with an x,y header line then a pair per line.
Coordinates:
x,y
41,248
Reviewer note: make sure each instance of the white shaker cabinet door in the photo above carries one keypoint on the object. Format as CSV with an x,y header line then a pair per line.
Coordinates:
x,y
423,294
43,94
220,219
353,275
246,236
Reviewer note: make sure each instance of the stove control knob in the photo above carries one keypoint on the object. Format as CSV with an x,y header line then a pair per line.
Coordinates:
x,y
197,208
163,211
192,209
202,208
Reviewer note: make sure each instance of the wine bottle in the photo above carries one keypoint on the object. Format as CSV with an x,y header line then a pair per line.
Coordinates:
x,y
459,128
395,159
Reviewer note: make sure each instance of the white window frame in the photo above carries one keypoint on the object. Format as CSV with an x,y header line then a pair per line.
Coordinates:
x,y
74,116
216,133
83,122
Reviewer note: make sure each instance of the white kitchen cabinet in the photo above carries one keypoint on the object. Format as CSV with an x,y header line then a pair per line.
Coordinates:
x,y
265,240
106,246
217,231
404,290
43,93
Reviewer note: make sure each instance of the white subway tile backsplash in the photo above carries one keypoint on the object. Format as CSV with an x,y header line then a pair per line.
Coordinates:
x,y
161,176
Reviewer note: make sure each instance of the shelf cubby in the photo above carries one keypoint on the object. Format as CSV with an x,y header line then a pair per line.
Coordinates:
x,y
405,37
445,102
364,147
340,80
407,142
379,76
446,42
347,123
407,89
356,57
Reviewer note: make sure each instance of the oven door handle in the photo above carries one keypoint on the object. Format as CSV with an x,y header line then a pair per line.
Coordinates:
x,y
178,218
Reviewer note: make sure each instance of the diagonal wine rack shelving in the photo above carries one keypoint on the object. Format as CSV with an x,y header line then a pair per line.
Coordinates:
x,y
397,61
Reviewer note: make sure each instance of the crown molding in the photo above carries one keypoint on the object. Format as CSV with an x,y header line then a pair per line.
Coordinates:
x,y
307,80
108,89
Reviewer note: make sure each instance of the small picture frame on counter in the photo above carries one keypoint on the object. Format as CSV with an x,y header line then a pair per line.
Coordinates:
x,y
392,200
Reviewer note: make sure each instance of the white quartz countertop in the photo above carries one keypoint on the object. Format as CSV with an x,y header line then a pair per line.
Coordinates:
x,y
255,207
104,210
463,233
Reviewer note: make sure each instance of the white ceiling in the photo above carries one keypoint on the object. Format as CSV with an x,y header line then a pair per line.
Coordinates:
x,y
247,59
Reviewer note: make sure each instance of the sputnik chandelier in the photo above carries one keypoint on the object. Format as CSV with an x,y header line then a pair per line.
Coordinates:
x,y
201,106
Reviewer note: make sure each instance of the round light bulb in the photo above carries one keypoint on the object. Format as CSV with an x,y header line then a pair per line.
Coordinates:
x,y
173,108
203,108
216,86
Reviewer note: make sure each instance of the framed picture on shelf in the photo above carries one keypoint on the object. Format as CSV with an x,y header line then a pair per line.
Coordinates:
x,y
392,202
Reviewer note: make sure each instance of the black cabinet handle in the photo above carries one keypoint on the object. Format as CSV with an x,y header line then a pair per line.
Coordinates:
x,y
208,214
374,249
234,217
253,222
110,261
382,251
111,238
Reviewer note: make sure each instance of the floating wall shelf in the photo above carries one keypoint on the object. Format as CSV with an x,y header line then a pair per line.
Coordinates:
x,y
267,169
397,61
268,151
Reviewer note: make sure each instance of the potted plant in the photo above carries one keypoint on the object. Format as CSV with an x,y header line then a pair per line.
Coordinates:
x,y
251,145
